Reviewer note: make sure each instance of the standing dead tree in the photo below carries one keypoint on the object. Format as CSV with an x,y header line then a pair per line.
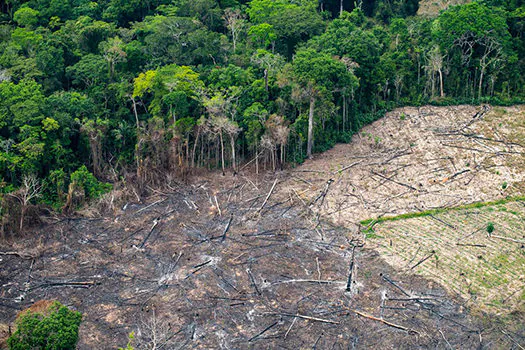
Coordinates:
x,y
31,189
235,23
435,65
221,109
277,132
95,130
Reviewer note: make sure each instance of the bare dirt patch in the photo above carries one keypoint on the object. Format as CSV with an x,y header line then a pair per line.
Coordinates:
x,y
433,7
253,277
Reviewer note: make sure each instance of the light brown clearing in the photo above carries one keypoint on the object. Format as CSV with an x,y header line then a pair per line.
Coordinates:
x,y
281,276
417,159
433,7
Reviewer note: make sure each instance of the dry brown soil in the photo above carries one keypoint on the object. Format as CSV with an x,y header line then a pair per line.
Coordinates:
x,y
417,159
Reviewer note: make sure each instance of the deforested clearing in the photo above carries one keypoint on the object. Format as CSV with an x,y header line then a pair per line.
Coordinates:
x,y
314,256
430,181
455,249
418,159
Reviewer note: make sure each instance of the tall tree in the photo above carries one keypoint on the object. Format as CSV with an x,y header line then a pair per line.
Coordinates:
x,y
317,75
479,34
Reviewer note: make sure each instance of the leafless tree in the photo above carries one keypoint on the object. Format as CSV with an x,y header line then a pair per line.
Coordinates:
x,y
155,334
277,132
435,64
31,189
235,23
271,63
221,108
4,75
492,56
95,132
113,53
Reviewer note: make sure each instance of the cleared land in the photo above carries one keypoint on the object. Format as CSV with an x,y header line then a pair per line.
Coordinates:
x,y
433,158
455,249
433,7
417,159
238,263
249,276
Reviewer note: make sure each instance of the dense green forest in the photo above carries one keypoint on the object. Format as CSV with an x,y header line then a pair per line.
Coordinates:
x,y
98,92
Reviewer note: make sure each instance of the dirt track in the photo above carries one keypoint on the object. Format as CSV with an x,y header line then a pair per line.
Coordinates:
x,y
245,274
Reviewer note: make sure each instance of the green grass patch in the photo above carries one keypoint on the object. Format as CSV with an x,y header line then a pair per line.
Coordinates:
x,y
369,223
372,235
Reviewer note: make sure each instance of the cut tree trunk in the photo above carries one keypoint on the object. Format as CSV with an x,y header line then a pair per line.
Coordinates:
x,y
441,93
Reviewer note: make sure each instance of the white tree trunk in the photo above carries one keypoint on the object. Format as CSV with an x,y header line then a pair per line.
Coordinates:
x,y
310,143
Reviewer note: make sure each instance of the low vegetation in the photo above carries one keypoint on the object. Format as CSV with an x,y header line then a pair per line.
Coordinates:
x,y
476,251
369,223
47,325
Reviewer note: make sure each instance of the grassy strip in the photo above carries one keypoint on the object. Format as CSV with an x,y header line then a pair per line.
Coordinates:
x,y
369,223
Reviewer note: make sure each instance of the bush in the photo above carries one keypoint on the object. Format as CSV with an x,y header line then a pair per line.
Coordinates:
x,y
47,325
490,228
87,181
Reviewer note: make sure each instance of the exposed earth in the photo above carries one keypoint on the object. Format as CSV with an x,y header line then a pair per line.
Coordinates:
x,y
282,261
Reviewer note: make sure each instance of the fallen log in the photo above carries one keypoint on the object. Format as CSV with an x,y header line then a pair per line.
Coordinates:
x,y
471,245
458,173
508,239
323,194
21,255
443,222
423,260
349,282
82,284
268,196
155,223
347,167
370,317
263,331
306,317
394,181
309,281
252,279
227,228
152,204
395,285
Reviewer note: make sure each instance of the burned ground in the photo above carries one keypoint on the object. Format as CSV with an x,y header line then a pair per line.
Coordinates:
x,y
235,263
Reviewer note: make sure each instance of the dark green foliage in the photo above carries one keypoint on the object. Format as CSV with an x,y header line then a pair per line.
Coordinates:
x,y
55,329
83,179
490,228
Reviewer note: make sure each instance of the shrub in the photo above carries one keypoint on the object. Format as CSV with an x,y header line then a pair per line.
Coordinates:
x,y
47,325
490,227
131,336
87,181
